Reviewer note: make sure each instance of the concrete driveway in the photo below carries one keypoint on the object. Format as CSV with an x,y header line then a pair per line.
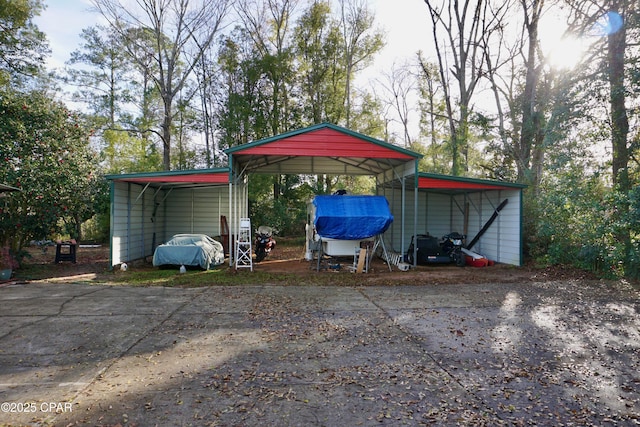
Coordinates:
x,y
534,354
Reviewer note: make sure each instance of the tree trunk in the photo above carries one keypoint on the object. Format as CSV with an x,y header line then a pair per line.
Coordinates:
x,y
78,227
619,122
616,45
166,135
530,134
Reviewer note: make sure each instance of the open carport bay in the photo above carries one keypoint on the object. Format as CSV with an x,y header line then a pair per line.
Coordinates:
x,y
538,353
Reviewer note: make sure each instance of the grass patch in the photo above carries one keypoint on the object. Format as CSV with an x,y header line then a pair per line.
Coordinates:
x,y
228,276
231,277
93,268
170,277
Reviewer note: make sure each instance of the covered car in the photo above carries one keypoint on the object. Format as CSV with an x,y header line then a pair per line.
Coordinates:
x,y
196,250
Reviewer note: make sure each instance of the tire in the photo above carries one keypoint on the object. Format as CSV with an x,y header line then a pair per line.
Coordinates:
x,y
410,255
460,259
260,255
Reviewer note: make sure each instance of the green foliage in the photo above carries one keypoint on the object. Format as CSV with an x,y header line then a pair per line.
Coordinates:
x,y
125,153
433,120
322,71
109,84
96,228
566,222
22,45
576,220
367,118
356,184
46,154
244,115
100,71
285,216
301,80
435,157
287,212
622,229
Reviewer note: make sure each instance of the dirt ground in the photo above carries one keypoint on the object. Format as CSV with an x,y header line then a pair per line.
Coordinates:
x,y
94,260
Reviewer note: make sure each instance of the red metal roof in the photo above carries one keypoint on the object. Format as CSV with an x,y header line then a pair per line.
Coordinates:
x,y
453,183
196,178
201,178
325,142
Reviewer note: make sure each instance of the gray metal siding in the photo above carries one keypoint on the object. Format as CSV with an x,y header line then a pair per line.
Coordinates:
x,y
131,223
440,214
502,240
119,232
196,210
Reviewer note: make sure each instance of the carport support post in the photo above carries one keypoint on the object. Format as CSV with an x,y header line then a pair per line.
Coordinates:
x,y
415,218
128,221
232,218
403,198
112,210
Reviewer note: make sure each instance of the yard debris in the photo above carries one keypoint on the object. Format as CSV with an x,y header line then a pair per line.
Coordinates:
x,y
548,352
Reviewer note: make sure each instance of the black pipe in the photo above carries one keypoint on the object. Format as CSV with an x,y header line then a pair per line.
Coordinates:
x,y
488,223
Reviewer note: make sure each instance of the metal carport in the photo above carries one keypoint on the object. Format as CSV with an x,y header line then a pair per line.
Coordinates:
x,y
327,149
148,208
447,203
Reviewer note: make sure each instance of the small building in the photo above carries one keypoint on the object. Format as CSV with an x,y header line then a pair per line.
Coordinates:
x,y
148,208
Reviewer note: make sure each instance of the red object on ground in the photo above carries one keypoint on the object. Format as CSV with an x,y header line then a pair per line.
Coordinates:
x,y
478,262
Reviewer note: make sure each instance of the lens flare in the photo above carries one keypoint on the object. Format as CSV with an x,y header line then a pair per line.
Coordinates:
x,y
607,24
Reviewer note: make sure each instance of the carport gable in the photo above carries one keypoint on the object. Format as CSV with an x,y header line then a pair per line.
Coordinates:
x,y
320,149
323,149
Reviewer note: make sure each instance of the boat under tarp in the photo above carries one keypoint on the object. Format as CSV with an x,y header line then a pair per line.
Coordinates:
x,y
348,217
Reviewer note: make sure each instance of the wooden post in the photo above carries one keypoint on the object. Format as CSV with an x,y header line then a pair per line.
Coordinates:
x,y
361,259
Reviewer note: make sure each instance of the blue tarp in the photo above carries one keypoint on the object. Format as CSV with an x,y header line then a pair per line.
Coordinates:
x,y
351,217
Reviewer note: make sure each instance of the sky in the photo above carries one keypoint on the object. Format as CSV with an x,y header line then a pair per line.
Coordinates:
x,y
62,21
404,22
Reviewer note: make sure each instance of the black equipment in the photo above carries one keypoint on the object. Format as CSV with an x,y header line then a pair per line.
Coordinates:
x,y
430,250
